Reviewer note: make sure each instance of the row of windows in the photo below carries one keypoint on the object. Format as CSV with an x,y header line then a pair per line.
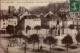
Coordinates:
x,y
3,20
9,20
6,23
12,20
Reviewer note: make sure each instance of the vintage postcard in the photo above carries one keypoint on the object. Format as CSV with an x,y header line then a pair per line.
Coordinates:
x,y
39,26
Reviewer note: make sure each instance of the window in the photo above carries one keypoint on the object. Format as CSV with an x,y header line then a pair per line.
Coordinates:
x,y
75,19
3,23
75,23
73,13
14,23
78,23
3,26
9,20
3,20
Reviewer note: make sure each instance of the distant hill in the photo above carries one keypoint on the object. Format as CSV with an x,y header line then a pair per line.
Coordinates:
x,y
54,7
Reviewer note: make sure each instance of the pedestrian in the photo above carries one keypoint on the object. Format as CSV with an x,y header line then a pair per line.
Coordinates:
x,y
40,47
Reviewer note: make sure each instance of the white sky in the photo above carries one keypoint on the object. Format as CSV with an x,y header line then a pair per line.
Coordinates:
x,y
26,3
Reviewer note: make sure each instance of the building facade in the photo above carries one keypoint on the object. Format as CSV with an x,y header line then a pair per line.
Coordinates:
x,y
12,21
4,22
32,22
3,25
22,10
11,10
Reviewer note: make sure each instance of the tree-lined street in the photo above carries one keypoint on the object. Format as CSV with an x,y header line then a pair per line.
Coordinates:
x,y
20,48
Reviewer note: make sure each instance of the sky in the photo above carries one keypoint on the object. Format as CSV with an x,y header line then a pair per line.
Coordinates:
x,y
26,3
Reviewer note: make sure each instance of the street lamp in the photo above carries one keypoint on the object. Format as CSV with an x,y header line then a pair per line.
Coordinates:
x,y
25,46
7,48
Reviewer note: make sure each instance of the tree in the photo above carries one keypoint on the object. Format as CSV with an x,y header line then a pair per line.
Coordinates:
x,y
18,32
71,27
18,28
34,38
28,28
78,38
50,40
10,29
20,35
37,28
67,40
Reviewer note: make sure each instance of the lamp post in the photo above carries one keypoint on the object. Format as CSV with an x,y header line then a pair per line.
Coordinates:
x,y
14,29
7,48
25,46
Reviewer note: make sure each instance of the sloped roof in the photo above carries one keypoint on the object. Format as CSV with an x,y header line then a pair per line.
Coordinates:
x,y
56,17
3,16
30,17
52,16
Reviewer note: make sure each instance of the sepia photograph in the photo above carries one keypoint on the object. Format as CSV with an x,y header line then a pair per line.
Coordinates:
x,y
39,26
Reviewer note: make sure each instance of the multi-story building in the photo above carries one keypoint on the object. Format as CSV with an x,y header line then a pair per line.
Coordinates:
x,y
32,22
5,21
76,23
75,20
11,10
3,25
12,21
22,10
